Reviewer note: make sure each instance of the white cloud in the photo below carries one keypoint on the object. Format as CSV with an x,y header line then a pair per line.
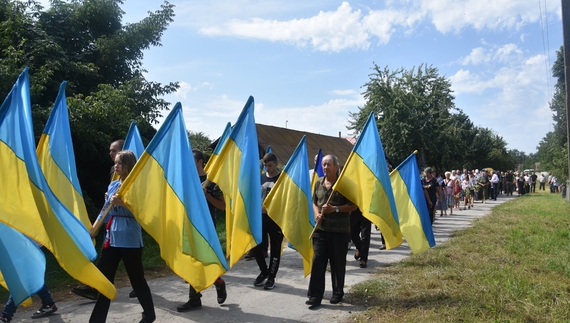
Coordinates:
x,y
452,16
477,56
346,28
344,92
327,31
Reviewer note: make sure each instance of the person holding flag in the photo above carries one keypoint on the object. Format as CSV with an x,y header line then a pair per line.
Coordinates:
x,y
331,235
215,199
122,241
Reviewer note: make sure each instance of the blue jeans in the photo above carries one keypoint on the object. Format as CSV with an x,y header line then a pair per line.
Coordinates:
x,y
10,307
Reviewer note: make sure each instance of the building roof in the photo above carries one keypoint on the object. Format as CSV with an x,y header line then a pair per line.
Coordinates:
x,y
283,142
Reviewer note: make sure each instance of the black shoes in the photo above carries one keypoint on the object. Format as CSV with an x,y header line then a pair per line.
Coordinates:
x,y
362,263
357,255
221,291
260,279
192,304
269,284
4,319
146,319
132,294
336,299
86,291
313,302
45,310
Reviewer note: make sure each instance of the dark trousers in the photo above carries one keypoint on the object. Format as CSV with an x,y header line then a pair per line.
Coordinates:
x,y
533,187
360,228
108,263
495,186
269,227
509,190
328,246
542,186
193,294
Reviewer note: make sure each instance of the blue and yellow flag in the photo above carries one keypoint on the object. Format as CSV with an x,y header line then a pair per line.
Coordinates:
x,y
27,203
366,182
164,193
57,159
236,171
413,212
218,148
318,170
23,265
289,204
133,141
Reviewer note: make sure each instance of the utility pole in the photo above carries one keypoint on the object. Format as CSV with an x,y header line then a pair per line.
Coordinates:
x,y
566,33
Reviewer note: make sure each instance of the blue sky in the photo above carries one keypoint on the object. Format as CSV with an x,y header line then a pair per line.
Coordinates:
x,y
305,62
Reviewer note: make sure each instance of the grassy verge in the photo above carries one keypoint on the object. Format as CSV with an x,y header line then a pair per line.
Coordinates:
x,y
59,282
511,266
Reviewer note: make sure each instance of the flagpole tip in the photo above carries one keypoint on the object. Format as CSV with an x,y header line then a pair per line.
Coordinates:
x,y
415,152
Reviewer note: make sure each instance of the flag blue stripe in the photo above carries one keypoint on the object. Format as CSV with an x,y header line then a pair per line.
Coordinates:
x,y
23,264
319,164
133,140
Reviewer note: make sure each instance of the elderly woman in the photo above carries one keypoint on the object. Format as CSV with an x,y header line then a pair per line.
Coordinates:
x,y
331,236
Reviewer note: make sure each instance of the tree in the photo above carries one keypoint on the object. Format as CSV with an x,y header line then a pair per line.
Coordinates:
x,y
552,151
85,43
200,140
413,110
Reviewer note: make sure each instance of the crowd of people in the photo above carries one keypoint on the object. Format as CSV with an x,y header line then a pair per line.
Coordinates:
x,y
338,221
458,190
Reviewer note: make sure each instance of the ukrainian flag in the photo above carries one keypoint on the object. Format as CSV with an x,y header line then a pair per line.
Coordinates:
x,y
219,147
133,142
27,203
236,171
318,170
365,181
413,213
57,159
23,265
289,204
164,193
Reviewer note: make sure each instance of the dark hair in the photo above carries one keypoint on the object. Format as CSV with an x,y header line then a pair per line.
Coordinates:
x,y
198,155
128,160
269,157
119,142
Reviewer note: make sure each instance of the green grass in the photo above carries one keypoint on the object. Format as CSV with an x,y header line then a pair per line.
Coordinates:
x,y
59,282
511,266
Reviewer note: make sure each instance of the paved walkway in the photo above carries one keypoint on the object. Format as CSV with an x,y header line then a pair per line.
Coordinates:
x,y
246,303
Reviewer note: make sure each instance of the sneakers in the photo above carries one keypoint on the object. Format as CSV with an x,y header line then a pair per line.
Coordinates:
x,y
260,279
45,310
269,284
221,291
192,304
86,291
4,319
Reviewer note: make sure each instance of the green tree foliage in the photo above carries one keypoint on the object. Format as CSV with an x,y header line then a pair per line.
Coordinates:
x,y
415,110
86,44
552,151
201,141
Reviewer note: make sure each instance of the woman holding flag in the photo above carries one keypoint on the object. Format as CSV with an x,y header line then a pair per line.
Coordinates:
x,y
122,241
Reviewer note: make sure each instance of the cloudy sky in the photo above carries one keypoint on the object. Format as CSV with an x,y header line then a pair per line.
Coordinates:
x,y
305,62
